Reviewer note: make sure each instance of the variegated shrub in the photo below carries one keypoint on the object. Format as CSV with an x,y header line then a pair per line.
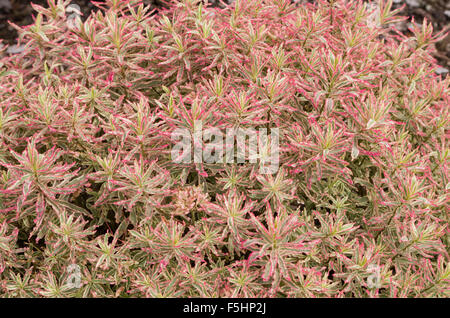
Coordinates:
x,y
359,206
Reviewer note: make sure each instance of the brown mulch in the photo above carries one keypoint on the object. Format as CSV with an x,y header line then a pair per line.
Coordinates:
x,y
21,13
436,11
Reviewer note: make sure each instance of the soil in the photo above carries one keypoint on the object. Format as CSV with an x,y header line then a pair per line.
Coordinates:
x,y
21,13
436,11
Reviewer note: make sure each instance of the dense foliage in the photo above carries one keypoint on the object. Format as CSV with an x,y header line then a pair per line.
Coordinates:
x,y
86,174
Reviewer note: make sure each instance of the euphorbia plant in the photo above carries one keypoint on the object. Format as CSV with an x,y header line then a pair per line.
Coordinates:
x,y
357,207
